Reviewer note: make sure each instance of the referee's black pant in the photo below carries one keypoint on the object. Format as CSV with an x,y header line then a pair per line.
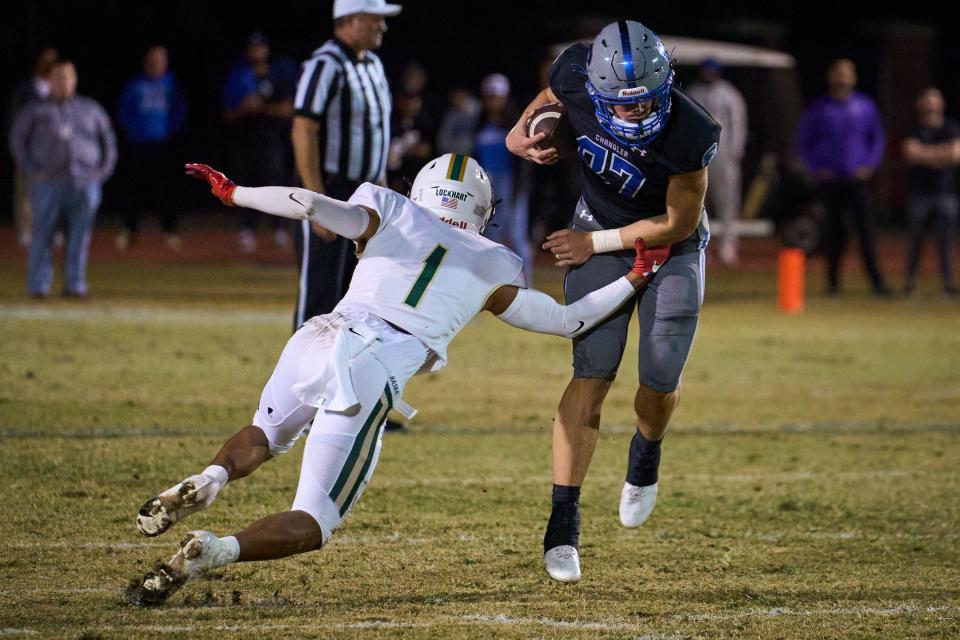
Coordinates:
x,y
325,267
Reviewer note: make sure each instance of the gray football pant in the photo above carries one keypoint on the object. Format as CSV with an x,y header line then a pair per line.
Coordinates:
x,y
669,310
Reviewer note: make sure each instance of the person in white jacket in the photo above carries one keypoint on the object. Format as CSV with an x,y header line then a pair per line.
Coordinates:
x,y
724,194
424,271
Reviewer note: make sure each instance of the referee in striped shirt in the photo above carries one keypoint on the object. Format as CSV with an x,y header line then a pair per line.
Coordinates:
x,y
341,133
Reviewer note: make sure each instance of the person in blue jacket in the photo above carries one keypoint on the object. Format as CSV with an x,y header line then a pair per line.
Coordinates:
x,y
151,112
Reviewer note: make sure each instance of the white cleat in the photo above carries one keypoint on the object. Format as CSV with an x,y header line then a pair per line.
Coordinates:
x,y
636,504
199,552
176,503
563,563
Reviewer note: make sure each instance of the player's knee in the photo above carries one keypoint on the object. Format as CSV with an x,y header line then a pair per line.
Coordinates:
x,y
280,430
647,394
654,408
323,510
654,385
583,400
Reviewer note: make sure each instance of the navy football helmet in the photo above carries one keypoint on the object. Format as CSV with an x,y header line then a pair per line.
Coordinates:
x,y
628,66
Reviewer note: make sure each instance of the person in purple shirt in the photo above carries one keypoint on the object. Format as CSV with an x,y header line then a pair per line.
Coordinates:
x,y
841,141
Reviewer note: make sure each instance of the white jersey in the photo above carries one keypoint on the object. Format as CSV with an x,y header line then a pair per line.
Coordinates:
x,y
423,275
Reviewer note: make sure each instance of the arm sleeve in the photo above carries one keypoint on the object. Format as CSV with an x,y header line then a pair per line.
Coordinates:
x,y
343,218
536,311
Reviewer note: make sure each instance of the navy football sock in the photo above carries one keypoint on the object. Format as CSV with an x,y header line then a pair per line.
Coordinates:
x,y
564,525
643,462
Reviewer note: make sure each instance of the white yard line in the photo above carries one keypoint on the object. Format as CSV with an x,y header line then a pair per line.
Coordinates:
x,y
587,625
780,612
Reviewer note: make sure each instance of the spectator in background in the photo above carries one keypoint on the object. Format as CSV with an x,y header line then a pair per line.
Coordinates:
x,y
33,89
410,146
414,81
67,149
932,149
724,194
258,107
510,224
840,141
457,127
151,112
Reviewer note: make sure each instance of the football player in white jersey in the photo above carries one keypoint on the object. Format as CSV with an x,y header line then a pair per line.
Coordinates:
x,y
424,272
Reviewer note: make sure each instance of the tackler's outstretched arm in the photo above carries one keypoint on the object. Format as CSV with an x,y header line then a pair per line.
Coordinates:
x,y
536,311
352,221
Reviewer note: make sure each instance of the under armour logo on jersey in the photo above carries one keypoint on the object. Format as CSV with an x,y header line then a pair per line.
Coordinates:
x,y
585,215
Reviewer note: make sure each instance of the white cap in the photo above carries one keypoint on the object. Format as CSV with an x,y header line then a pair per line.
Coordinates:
x,y
495,84
376,7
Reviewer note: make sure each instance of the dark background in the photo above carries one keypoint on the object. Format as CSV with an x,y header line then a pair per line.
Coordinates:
x,y
458,43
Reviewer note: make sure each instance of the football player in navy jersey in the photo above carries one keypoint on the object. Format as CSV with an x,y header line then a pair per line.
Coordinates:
x,y
644,147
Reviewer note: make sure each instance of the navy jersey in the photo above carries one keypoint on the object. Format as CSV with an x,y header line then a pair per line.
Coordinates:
x,y
622,185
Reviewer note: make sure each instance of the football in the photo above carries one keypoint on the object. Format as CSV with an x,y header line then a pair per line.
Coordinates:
x,y
552,120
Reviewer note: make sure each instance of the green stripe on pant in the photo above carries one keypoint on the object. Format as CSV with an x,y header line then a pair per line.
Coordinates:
x,y
361,454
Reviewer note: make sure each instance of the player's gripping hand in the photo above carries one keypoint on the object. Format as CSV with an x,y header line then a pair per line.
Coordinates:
x,y
569,247
520,145
648,260
220,185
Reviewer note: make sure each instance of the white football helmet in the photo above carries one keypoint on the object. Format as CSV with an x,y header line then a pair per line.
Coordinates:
x,y
457,189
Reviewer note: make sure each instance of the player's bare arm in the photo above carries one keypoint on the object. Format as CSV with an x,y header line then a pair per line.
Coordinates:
x,y
685,194
353,221
519,144
536,311
306,152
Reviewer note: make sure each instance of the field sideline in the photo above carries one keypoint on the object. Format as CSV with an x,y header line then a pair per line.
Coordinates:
x,y
809,486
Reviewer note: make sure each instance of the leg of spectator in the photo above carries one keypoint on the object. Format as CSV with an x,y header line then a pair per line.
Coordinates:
x,y
864,219
45,200
133,174
82,205
725,201
836,233
22,212
946,232
916,225
167,170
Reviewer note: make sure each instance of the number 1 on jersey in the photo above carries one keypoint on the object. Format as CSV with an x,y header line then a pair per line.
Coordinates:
x,y
430,266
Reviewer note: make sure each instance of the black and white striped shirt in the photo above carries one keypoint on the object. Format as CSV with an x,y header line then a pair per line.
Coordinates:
x,y
350,98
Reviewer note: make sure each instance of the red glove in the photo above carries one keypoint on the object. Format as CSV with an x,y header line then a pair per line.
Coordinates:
x,y
220,185
649,260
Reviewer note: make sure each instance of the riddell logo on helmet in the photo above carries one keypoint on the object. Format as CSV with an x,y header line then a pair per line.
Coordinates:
x,y
629,93
460,224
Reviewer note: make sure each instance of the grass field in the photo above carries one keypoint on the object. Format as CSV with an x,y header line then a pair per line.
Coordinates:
x,y
810,485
